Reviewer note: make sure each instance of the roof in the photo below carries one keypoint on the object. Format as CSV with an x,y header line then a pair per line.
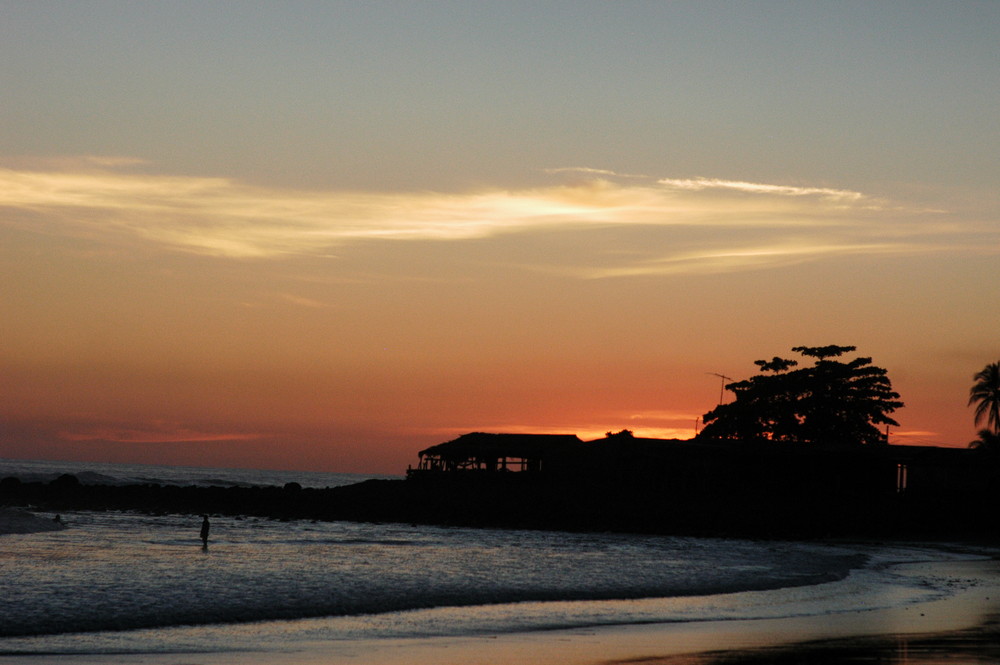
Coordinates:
x,y
482,444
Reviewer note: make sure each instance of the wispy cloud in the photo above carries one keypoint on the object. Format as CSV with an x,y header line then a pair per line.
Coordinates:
x,y
311,303
727,225
699,184
588,171
664,416
780,253
586,431
152,433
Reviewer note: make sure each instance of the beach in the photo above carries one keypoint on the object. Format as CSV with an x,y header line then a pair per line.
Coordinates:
x,y
957,631
953,623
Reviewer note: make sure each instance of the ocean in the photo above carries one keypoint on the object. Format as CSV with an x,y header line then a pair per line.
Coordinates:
x,y
125,583
97,473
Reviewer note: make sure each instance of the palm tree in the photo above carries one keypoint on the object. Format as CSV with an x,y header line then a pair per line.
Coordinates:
x,y
988,442
985,394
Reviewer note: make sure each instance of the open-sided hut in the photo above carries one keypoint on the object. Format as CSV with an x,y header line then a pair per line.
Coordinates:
x,y
484,452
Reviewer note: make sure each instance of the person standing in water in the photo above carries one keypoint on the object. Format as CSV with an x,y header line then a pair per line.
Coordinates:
x,y
204,532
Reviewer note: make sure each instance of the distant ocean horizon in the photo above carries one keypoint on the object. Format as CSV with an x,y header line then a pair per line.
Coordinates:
x,y
106,473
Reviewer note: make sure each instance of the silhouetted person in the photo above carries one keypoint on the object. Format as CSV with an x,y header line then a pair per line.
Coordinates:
x,y
204,532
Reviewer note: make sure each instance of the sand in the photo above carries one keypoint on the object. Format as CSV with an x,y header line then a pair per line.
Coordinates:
x,y
958,630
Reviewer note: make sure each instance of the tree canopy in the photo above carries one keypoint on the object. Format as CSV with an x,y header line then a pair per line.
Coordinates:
x,y
831,402
985,394
988,441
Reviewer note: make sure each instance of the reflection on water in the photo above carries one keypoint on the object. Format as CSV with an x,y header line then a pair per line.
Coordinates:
x,y
117,583
112,571
975,646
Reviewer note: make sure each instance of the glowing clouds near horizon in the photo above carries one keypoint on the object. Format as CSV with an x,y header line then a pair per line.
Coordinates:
x,y
172,317
152,433
719,225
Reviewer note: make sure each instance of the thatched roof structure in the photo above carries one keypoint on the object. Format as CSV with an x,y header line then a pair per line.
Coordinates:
x,y
480,450
503,445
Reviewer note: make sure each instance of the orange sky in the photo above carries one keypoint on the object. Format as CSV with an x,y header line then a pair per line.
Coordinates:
x,y
270,261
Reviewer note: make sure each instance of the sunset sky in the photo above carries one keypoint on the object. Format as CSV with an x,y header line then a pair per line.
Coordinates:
x,y
325,235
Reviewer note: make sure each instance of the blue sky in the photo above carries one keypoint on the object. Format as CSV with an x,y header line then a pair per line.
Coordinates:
x,y
444,95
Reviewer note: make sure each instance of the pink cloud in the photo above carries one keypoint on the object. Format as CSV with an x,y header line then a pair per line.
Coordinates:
x,y
154,434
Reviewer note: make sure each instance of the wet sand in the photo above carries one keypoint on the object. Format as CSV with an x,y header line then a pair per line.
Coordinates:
x,y
958,630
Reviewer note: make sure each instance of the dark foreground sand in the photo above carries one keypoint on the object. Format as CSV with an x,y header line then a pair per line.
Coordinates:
x,y
977,645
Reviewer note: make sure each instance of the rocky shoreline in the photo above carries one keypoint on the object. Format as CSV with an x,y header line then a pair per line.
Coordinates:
x,y
15,520
523,502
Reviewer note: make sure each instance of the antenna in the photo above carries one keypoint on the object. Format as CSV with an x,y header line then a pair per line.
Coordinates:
x,y
722,387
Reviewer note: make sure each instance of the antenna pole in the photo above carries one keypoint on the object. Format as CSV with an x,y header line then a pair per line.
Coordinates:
x,y
722,385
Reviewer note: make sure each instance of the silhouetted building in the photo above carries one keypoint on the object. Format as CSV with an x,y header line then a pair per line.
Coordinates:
x,y
480,451
700,466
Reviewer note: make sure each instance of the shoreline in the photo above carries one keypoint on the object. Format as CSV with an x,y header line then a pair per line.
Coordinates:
x,y
965,621
536,503
963,627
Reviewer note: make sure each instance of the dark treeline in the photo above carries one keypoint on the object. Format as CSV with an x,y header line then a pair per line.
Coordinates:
x,y
726,508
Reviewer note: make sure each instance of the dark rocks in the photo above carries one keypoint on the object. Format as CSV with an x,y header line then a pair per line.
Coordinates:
x,y
646,503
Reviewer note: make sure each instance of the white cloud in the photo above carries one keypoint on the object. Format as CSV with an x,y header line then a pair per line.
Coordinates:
x,y
766,225
708,260
586,170
698,184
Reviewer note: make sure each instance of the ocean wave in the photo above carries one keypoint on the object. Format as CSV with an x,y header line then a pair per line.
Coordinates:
x,y
119,571
866,589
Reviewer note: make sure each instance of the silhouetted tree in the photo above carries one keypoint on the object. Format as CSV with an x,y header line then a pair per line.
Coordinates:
x,y
985,394
828,403
988,441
